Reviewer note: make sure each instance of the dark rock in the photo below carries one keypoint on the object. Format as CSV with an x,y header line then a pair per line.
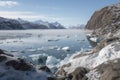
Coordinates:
x,y
61,78
45,68
18,65
78,74
50,78
61,71
3,58
1,52
110,70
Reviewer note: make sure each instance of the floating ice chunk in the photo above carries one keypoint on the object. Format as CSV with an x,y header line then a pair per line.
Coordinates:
x,y
67,36
15,41
94,39
39,58
49,40
53,47
32,50
66,48
58,48
52,61
89,35
1,42
58,35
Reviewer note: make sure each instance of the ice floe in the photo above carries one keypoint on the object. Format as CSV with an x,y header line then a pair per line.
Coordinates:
x,y
66,48
94,39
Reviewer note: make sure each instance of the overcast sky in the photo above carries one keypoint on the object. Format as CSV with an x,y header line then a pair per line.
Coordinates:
x,y
67,12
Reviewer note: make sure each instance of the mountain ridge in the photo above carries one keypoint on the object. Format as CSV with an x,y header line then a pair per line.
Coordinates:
x,y
17,24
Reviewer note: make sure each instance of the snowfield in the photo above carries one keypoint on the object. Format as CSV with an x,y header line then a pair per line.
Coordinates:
x,y
110,52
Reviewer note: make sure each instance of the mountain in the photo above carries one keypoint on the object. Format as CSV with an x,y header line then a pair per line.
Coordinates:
x,y
9,24
106,20
54,25
31,25
12,24
79,26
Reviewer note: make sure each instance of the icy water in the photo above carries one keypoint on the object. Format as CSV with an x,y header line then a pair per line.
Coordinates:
x,y
43,46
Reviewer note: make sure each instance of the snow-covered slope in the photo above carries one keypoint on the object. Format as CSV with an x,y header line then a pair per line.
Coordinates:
x,y
91,61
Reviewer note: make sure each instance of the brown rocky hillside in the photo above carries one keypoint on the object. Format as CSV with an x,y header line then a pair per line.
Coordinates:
x,y
106,20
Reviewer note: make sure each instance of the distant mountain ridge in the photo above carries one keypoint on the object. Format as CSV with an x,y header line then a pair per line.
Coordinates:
x,y
13,24
80,26
9,24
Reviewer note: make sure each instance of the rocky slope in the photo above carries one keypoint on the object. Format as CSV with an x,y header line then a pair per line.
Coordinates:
x,y
106,20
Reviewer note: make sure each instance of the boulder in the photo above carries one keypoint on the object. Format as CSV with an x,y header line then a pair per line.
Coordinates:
x,y
1,52
45,68
3,58
19,65
78,74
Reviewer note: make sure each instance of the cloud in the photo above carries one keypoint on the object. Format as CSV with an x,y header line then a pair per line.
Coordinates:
x,y
8,3
28,15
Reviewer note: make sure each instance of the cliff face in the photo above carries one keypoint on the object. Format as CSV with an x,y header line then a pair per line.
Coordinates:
x,y
106,20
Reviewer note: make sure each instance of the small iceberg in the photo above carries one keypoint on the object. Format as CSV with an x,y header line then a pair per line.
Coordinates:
x,y
51,61
66,48
39,58
49,40
32,50
53,47
94,39
1,42
67,36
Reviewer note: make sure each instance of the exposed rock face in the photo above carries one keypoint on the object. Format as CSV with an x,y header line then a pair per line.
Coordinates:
x,y
106,20
78,74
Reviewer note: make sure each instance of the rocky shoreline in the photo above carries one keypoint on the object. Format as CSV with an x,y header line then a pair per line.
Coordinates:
x,y
102,62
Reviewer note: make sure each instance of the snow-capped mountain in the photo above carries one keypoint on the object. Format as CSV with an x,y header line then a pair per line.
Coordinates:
x,y
19,23
54,25
9,24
